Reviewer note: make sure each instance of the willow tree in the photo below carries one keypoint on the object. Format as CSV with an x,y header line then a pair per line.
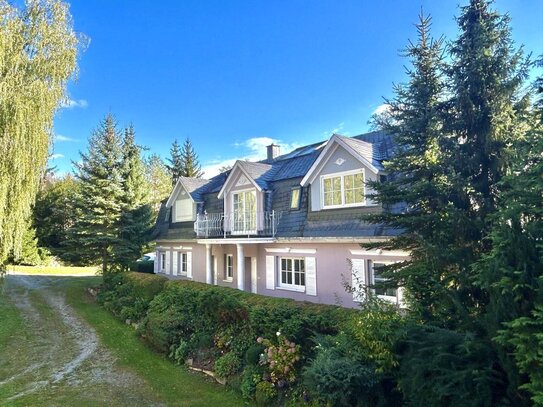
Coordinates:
x,y
38,53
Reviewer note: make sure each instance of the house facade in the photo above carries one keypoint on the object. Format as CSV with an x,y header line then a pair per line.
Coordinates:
x,y
289,226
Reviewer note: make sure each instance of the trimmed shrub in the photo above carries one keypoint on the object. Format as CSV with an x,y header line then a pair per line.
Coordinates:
x,y
227,365
252,356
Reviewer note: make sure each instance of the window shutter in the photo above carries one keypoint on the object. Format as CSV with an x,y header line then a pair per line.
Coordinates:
x,y
310,276
168,262
270,272
189,264
157,259
174,262
358,282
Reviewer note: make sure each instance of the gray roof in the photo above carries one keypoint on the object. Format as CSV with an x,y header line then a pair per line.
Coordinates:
x,y
279,177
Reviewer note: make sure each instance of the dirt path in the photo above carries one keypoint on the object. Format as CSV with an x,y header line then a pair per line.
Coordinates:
x,y
57,358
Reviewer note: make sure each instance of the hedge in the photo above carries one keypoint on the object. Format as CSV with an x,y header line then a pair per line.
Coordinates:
x,y
263,345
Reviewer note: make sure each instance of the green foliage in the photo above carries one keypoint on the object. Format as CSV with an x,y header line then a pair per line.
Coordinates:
x,y
252,375
190,165
136,212
176,167
54,214
38,52
524,336
31,254
181,352
227,365
98,208
376,329
159,181
443,367
252,356
128,294
339,380
280,358
265,393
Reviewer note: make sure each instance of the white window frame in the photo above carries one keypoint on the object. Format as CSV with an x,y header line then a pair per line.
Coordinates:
x,y
183,263
232,212
342,175
371,262
227,267
285,286
297,203
163,261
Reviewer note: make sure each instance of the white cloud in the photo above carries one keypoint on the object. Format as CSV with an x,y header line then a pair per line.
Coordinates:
x,y
56,156
255,150
72,103
381,109
336,130
58,137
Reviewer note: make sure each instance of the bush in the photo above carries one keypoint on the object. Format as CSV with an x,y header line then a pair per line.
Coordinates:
x,y
252,356
227,365
265,393
252,375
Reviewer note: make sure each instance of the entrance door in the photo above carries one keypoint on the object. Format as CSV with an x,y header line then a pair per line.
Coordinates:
x,y
248,273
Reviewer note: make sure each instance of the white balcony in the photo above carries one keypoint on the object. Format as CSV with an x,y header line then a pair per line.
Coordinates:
x,y
236,224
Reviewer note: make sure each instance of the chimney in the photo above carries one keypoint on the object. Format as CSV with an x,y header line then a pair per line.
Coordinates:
x,y
274,151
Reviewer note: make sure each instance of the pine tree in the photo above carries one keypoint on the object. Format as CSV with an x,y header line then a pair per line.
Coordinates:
x,y
159,181
95,233
176,166
190,165
136,217
38,54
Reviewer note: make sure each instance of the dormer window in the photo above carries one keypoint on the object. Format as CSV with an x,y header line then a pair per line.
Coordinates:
x,y
295,198
343,189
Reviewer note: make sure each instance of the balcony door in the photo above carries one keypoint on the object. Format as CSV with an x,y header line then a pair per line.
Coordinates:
x,y
244,212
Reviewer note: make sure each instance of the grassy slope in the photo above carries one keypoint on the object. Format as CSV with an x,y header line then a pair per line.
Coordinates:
x,y
173,384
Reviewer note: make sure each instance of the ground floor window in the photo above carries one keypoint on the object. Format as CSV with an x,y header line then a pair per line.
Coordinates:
x,y
183,262
162,261
228,267
292,272
379,279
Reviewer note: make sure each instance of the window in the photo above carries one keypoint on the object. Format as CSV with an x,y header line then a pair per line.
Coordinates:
x,y
183,262
295,198
343,190
378,279
292,272
162,261
228,267
183,210
244,211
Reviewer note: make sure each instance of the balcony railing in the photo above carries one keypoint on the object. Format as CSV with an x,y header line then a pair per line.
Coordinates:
x,y
237,224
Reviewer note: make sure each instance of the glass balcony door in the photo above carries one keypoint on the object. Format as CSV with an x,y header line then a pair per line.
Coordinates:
x,y
244,212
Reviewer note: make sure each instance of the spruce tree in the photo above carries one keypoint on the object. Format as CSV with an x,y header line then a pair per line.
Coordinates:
x,y
95,234
417,177
136,217
190,165
512,273
176,166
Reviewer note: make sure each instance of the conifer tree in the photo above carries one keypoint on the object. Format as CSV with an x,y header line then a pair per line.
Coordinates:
x,y
136,217
190,165
417,175
38,52
176,166
95,234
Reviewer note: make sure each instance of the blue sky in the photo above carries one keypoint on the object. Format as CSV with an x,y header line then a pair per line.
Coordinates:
x,y
234,75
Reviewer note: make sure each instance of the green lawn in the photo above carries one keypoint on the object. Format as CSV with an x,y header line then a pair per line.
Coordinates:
x,y
174,384
54,271
35,341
